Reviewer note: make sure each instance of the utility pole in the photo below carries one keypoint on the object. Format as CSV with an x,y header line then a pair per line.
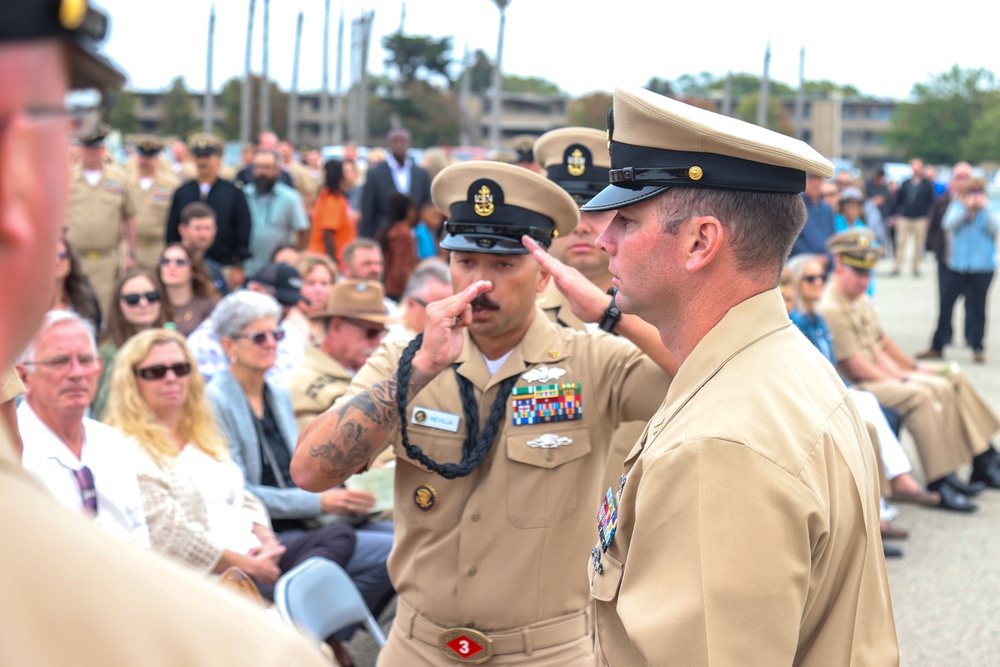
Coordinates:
x,y
245,92
727,101
360,36
764,86
464,95
338,100
209,109
324,98
800,99
293,98
265,86
498,79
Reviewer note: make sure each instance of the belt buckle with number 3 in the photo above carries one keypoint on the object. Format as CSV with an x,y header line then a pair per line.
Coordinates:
x,y
465,645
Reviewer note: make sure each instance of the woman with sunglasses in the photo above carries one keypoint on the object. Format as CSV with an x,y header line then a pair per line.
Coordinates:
x,y
73,290
137,306
807,281
258,421
189,290
196,503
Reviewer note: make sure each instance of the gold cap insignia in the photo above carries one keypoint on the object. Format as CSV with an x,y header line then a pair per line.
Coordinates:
x,y
576,164
484,202
425,497
862,241
695,173
72,13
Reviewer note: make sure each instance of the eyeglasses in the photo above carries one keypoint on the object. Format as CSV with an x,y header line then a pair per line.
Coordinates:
x,y
88,492
370,333
159,371
62,256
813,279
419,302
177,261
260,338
133,299
62,362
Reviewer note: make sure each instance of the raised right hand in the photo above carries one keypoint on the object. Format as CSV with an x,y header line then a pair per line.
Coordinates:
x,y
443,337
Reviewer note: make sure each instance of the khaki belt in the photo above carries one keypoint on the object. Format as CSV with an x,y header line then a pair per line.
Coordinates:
x,y
97,254
470,646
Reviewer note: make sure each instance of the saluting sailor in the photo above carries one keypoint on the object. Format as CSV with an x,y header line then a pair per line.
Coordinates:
x,y
506,426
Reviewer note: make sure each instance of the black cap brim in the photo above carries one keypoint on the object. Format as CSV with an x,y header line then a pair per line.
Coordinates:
x,y
287,296
485,243
615,196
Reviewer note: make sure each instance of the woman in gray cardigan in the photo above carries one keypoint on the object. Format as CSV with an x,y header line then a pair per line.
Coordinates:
x,y
257,419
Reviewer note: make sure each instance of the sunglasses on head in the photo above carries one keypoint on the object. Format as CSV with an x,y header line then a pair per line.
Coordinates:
x,y
260,338
815,278
177,261
133,299
159,371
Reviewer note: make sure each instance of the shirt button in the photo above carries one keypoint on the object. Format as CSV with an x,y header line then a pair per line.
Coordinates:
x,y
549,456
472,571
489,465
475,516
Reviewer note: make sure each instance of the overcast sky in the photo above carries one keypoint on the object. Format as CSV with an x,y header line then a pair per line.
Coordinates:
x,y
582,45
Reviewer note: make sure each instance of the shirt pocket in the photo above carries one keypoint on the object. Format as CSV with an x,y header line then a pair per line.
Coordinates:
x,y
547,474
604,586
426,499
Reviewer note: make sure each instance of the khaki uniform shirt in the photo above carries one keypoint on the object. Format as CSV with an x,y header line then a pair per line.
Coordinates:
x,y
151,209
854,327
748,520
315,384
75,595
501,548
557,308
95,229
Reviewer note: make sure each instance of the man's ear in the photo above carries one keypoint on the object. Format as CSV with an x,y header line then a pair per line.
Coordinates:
x,y
706,235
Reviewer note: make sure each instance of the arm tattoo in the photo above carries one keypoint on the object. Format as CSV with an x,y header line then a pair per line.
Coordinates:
x,y
348,436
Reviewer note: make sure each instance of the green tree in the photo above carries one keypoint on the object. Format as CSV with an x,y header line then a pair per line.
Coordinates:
x,y
777,119
418,56
982,144
178,111
660,86
429,114
230,99
589,111
120,111
938,124
530,84
481,79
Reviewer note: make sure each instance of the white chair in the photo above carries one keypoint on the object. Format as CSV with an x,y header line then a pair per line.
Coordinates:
x,y
319,598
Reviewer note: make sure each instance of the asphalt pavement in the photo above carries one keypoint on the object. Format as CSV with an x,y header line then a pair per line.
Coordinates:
x,y
946,587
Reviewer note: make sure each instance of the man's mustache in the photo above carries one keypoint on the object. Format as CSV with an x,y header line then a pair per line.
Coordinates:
x,y
483,301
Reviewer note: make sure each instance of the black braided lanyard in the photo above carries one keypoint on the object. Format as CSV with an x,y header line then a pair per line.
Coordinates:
x,y
476,446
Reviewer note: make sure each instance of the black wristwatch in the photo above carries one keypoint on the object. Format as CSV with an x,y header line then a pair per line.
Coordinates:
x,y
612,315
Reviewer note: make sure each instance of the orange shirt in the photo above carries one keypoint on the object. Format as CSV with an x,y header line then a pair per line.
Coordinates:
x,y
331,211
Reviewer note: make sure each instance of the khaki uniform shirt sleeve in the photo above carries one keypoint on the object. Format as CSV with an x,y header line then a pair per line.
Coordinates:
x,y
733,583
10,385
847,340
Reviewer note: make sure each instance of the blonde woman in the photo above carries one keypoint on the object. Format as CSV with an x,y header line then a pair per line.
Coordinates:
x,y
196,504
319,274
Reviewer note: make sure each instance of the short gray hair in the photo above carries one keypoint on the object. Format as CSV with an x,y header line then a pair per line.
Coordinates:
x,y
52,318
238,310
427,271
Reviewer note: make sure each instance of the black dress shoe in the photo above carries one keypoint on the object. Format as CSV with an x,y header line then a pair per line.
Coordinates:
x,y
954,500
891,551
970,489
988,474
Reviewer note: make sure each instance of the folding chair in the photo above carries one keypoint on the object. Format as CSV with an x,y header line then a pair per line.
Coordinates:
x,y
319,598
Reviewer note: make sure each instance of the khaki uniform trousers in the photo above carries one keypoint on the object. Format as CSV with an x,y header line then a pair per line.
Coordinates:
x,y
102,269
907,228
148,253
412,642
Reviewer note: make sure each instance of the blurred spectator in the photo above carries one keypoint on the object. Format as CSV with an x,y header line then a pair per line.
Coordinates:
x,y
189,291
258,421
137,306
87,466
286,253
197,231
73,290
430,282
152,189
302,180
11,389
333,221
913,204
819,220
276,211
363,260
397,173
198,508
319,274
849,209
399,246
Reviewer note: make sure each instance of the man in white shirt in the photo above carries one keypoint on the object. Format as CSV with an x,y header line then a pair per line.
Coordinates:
x,y
397,173
85,464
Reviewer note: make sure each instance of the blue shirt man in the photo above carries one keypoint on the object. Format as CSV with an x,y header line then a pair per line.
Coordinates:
x,y
819,222
276,212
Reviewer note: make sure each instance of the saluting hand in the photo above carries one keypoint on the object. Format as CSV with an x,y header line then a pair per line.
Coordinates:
x,y
586,299
443,336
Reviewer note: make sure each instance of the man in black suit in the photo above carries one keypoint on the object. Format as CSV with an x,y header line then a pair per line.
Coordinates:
x,y
232,240
397,174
